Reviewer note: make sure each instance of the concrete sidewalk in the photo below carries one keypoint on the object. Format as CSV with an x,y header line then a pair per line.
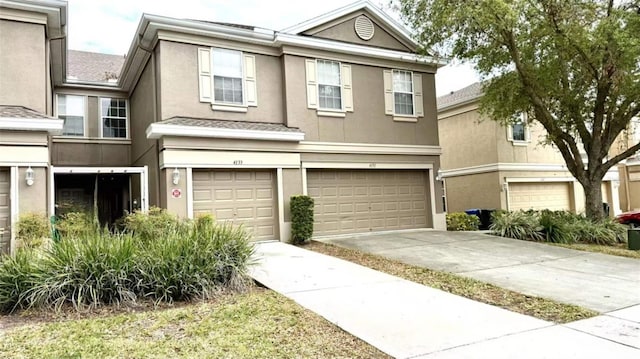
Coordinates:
x,y
409,320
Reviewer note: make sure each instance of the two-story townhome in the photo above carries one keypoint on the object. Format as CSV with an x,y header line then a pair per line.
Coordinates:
x,y
206,117
487,165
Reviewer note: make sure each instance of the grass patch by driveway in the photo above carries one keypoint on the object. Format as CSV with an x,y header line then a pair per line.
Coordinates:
x,y
541,308
620,250
256,324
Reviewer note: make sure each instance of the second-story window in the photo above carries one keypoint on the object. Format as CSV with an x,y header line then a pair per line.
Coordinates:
x,y
403,95
227,76
71,109
113,117
329,89
227,79
403,92
329,95
518,131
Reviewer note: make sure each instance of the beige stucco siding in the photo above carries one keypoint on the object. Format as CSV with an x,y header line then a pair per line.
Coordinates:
x,y
142,108
343,30
23,78
22,138
474,191
466,140
179,86
533,151
368,122
90,154
33,198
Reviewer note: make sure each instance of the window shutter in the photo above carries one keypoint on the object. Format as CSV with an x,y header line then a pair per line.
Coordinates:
x,y
312,84
205,76
388,92
347,91
251,91
417,95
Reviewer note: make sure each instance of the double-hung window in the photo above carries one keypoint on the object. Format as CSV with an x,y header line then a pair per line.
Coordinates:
x,y
113,117
227,79
71,109
329,92
403,92
403,95
518,131
329,87
227,76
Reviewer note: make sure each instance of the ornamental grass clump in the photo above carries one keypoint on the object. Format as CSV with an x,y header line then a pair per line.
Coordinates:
x,y
518,225
90,267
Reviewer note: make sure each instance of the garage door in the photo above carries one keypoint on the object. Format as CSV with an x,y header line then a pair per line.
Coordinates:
x,y
5,209
241,197
553,195
356,201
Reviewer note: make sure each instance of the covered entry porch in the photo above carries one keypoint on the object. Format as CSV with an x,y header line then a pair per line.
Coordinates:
x,y
107,192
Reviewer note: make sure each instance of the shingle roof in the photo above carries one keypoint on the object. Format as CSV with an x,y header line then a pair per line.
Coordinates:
x,y
11,111
235,125
465,94
93,66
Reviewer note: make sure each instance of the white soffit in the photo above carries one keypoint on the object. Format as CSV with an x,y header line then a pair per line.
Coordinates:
x,y
157,130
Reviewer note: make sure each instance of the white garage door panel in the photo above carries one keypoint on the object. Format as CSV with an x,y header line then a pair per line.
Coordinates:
x,y
5,208
356,201
554,196
241,197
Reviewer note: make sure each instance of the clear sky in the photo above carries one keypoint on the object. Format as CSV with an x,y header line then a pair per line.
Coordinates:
x,y
108,25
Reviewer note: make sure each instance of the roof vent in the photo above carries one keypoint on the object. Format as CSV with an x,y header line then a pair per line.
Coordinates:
x,y
364,27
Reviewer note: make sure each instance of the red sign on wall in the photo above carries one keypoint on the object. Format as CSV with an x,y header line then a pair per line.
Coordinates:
x,y
176,193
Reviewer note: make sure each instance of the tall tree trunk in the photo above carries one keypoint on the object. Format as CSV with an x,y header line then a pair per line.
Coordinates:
x,y
593,199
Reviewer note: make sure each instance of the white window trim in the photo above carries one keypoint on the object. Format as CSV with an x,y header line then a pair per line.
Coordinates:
x,y
322,111
85,115
100,118
404,117
221,105
527,133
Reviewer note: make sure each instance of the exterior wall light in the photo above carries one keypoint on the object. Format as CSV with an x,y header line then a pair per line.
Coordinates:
x,y
30,176
175,176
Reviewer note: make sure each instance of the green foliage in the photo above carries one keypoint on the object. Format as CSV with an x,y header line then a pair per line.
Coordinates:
x,y
554,228
301,218
557,227
33,230
571,66
18,275
460,221
76,224
151,225
89,267
518,225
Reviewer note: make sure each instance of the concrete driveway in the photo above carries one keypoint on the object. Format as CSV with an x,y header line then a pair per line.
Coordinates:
x,y
596,281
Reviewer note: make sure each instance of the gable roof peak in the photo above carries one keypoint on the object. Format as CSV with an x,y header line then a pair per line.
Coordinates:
x,y
366,5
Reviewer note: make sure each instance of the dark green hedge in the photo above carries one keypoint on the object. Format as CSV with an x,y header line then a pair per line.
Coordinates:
x,y
301,218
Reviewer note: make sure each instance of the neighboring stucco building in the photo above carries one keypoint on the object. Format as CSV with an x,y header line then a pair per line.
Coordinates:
x,y
630,169
205,117
490,166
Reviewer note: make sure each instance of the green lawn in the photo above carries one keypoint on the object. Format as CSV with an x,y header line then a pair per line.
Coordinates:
x,y
257,324
620,250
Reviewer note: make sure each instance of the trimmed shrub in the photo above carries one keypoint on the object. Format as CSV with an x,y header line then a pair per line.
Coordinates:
x,y
76,224
460,221
33,230
153,224
301,218
518,225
